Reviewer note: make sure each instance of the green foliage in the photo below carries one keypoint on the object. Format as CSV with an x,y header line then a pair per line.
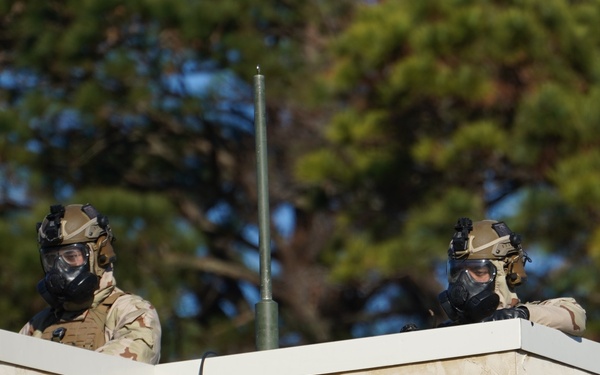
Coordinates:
x,y
489,99
594,247
466,147
363,152
419,239
387,122
576,184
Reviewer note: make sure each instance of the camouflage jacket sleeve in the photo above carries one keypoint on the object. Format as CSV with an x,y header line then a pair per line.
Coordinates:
x,y
29,328
133,330
564,314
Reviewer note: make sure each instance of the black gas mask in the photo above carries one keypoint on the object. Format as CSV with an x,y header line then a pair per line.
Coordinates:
x,y
75,249
67,275
470,296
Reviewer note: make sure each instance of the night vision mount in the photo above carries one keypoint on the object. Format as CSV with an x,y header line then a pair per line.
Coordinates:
x,y
460,239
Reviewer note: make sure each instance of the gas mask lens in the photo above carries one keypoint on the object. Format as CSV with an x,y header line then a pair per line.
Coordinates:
x,y
64,258
480,271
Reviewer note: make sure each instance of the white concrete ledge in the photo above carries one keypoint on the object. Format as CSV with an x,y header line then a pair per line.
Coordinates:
x,y
404,348
510,346
28,353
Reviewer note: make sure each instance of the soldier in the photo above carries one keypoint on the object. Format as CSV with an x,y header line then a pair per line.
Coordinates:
x,y
86,309
486,262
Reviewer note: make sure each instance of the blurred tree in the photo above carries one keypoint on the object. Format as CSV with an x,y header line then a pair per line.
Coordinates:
x,y
465,108
441,109
144,109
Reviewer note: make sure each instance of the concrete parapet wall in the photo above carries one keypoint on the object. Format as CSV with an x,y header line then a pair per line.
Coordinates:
x,y
504,347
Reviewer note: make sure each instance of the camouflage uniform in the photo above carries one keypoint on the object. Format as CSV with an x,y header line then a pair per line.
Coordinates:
x,y
132,329
87,310
564,313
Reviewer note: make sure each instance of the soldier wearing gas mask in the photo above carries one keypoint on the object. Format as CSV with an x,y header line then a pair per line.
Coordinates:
x,y
86,309
486,263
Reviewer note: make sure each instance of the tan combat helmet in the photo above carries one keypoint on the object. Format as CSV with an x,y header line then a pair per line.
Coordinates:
x,y
78,223
490,239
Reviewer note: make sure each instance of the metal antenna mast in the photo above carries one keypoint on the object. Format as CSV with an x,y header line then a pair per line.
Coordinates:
x,y
267,322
